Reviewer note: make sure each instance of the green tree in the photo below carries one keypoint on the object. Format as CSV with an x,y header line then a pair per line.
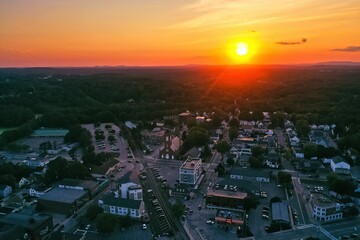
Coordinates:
x,y
105,223
257,151
234,122
220,170
93,211
331,177
230,161
250,203
284,178
310,150
256,162
302,127
222,147
178,209
233,133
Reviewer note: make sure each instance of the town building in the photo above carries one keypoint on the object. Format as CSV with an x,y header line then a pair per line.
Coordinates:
x,y
230,218
222,199
171,147
49,133
90,186
190,171
324,208
112,203
129,186
280,213
250,175
39,190
63,201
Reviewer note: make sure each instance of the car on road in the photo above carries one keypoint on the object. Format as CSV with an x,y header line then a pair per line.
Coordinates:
x,y
266,208
210,221
87,227
265,216
354,235
144,227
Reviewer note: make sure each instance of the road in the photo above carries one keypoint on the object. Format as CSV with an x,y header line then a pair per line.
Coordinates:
x,y
179,232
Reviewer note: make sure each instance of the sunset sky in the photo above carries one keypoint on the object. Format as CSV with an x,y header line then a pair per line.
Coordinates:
x,y
177,32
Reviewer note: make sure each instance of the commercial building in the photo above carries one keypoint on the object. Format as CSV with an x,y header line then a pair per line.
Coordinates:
x,y
280,213
190,171
230,218
64,201
250,175
87,185
129,186
222,199
324,208
46,133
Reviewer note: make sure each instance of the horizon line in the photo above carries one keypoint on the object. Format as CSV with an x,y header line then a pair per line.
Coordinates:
x,y
334,63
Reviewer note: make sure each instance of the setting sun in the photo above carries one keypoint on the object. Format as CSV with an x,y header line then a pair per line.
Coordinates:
x,y
242,49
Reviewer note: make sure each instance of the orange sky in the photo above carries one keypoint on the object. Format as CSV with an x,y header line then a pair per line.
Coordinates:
x,y
176,32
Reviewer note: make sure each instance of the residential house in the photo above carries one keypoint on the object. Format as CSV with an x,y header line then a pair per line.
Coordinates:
x,y
298,152
339,165
113,204
171,147
253,175
190,171
199,119
324,208
193,153
5,190
23,182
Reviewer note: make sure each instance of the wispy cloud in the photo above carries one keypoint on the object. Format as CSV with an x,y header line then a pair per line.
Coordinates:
x,y
303,40
347,49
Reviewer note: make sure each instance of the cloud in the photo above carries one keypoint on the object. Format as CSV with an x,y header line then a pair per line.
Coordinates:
x,y
303,40
347,49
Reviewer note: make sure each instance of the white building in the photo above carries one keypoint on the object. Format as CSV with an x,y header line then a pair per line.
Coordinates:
x,y
113,204
39,191
190,171
324,208
339,165
129,187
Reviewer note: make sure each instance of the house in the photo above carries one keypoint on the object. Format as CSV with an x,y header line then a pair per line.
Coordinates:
x,y
130,125
113,204
5,190
171,147
319,138
252,175
339,165
129,186
193,153
190,171
214,136
23,182
294,141
298,152
199,119
324,208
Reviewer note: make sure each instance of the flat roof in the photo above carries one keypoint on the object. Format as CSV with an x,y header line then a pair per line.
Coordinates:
x,y
50,133
191,163
23,219
226,194
322,200
250,172
63,195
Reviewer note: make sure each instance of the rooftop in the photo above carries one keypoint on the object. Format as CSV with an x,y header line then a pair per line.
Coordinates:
x,y
111,200
63,195
191,163
226,194
322,200
338,159
24,220
249,172
50,133
280,211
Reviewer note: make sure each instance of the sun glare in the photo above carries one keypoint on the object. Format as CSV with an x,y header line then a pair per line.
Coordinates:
x,y
242,49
